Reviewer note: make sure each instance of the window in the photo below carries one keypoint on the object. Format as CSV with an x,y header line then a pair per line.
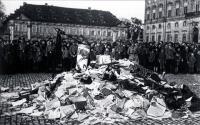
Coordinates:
x,y
177,12
185,9
154,15
38,28
154,12
67,30
109,34
148,13
73,31
185,6
160,11
148,16
159,38
104,33
159,26
169,13
123,33
16,27
147,39
85,31
184,37
176,38
153,27
177,9
76,31
34,28
23,27
184,23
168,37
99,33
81,31
44,30
168,25
192,5
197,8
147,27
153,38
176,25
160,14
92,32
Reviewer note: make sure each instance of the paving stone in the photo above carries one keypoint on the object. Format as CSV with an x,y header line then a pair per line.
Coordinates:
x,y
25,80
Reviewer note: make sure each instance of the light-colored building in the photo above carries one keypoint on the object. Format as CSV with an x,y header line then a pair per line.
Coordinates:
x,y
39,21
172,20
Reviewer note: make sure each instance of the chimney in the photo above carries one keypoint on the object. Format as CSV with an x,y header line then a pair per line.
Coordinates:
x,y
46,4
89,8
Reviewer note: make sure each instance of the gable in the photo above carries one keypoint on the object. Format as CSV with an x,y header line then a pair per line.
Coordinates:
x,y
22,17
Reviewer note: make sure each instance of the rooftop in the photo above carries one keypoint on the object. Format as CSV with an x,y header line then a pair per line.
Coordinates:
x,y
54,14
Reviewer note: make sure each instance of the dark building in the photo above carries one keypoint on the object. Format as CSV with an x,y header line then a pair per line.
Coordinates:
x,y
38,21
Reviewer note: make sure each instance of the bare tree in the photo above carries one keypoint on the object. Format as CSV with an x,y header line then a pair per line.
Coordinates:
x,y
134,26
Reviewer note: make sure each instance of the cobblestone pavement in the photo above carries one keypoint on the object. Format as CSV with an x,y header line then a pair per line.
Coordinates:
x,y
25,80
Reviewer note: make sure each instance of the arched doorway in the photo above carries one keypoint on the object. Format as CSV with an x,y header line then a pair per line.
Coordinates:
x,y
195,34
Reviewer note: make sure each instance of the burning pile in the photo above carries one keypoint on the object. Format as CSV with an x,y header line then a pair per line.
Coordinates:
x,y
109,93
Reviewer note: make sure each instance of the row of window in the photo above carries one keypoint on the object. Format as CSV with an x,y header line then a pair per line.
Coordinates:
x,y
168,25
169,10
68,30
169,13
169,38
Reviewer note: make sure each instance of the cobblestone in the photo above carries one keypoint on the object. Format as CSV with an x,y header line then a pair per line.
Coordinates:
x,y
25,80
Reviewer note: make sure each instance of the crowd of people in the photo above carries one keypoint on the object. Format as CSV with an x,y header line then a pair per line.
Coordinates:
x,y
21,56
167,57
157,56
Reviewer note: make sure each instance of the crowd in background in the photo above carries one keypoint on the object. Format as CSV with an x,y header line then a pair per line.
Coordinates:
x,y
167,57
21,56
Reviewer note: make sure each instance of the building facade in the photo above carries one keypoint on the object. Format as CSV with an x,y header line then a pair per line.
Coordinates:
x,y
39,21
172,20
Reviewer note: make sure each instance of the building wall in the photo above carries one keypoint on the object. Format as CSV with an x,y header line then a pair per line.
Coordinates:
x,y
174,13
42,30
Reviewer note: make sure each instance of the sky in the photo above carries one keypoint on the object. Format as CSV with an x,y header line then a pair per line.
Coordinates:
x,y
120,8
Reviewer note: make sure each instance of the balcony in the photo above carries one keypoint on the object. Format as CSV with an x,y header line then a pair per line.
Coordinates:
x,y
162,19
192,14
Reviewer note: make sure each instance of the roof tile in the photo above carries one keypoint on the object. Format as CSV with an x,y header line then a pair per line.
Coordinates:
x,y
54,14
